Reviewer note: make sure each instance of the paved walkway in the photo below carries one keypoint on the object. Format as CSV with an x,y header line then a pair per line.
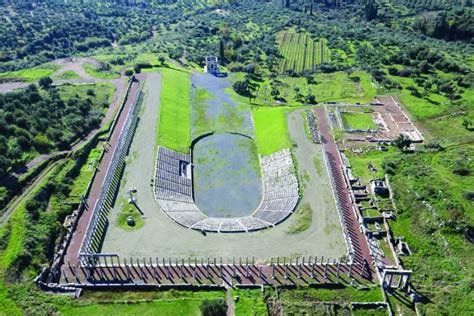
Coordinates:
x,y
358,240
77,239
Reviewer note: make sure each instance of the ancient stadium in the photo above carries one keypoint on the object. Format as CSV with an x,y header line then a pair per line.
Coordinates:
x,y
194,190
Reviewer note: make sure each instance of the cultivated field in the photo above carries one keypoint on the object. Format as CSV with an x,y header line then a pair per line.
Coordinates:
x,y
300,52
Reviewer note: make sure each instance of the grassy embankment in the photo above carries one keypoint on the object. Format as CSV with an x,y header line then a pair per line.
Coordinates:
x,y
249,302
271,130
170,302
66,75
308,300
433,194
31,74
174,126
99,73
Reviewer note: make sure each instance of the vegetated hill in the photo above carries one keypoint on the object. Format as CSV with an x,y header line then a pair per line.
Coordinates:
x,y
419,50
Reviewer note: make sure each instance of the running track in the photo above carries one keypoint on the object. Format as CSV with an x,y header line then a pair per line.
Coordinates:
x,y
358,240
72,252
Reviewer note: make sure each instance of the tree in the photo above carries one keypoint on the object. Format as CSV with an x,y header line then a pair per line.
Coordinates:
x,y
45,82
402,142
221,51
349,71
242,87
137,69
370,10
275,93
311,99
466,123
128,72
214,308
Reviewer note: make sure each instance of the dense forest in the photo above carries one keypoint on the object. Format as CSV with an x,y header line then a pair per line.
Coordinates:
x,y
35,32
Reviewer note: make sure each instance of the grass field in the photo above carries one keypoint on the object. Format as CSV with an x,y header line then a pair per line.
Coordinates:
x,y
340,295
300,52
68,74
31,74
174,127
249,302
358,121
271,130
331,87
170,302
101,74
304,217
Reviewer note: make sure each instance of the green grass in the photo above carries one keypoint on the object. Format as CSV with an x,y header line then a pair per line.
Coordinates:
x,y
436,114
358,121
127,210
339,295
318,165
170,302
68,74
31,74
271,130
201,123
174,127
440,260
249,302
15,233
179,307
85,174
360,163
304,217
100,74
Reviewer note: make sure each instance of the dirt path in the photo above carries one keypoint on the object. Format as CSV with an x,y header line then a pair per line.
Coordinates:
x,y
230,303
16,201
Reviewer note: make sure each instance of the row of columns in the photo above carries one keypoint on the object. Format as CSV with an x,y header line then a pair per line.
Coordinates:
x,y
246,267
99,219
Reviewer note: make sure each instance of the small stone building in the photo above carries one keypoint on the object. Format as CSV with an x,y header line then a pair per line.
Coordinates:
x,y
212,65
379,188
